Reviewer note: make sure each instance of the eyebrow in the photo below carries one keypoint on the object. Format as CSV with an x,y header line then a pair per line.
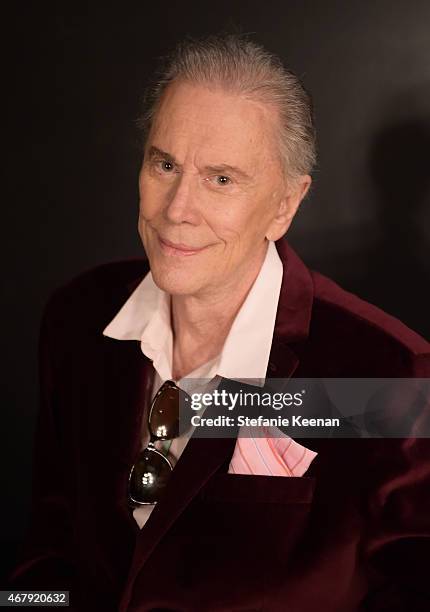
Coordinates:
x,y
218,169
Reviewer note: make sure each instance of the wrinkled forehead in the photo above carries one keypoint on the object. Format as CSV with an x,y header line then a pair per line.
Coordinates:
x,y
215,126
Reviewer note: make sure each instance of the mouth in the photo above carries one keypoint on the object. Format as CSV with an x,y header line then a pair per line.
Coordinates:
x,y
178,250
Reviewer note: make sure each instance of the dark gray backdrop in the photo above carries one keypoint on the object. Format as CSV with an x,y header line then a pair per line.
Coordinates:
x,y
74,81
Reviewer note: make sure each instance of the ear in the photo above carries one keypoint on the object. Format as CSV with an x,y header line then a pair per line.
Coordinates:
x,y
295,191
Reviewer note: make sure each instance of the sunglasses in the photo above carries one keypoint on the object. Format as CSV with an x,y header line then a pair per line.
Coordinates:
x,y
150,474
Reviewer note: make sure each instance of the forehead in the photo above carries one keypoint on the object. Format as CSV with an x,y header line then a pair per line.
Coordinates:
x,y
211,125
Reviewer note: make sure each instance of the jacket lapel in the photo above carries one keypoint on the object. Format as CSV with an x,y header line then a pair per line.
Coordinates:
x,y
128,376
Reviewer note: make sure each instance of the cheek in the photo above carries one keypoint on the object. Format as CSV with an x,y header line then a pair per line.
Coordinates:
x,y
261,215
226,226
150,199
241,224
147,208
141,227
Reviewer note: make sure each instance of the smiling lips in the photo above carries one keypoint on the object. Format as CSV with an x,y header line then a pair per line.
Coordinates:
x,y
181,250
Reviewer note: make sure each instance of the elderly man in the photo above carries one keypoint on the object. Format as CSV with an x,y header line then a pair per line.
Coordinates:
x,y
336,525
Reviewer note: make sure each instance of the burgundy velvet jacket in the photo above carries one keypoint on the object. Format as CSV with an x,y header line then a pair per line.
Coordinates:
x,y
352,534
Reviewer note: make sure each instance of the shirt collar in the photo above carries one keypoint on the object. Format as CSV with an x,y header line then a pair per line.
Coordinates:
x,y
145,316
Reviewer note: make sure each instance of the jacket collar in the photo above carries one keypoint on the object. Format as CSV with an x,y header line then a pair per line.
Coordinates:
x,y
295,302
294,313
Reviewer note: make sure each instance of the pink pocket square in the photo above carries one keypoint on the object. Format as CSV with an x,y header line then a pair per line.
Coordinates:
x,y
270,456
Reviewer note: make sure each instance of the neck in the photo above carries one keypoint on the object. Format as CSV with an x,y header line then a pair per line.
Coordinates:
x,y
201,323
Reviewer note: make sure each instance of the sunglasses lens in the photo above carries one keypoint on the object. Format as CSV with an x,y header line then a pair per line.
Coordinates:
x,y
164,416
148,477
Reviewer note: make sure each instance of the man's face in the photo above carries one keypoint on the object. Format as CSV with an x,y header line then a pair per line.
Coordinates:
x,y
210,181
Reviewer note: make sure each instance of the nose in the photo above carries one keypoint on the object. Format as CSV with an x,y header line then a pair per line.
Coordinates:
x,y
181,201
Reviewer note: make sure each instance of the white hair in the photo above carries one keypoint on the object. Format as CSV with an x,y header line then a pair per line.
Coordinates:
x,y
238,65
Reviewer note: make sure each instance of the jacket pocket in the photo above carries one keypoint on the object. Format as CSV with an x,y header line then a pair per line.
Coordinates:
x,y
227,487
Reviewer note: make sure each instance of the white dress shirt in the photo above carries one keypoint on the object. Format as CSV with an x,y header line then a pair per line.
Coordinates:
x,y
145,316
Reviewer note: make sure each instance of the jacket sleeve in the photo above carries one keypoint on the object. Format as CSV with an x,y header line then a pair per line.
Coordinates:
x,y
45,560
398,541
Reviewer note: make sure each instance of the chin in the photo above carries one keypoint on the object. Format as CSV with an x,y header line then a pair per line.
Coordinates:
x,y
174,282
